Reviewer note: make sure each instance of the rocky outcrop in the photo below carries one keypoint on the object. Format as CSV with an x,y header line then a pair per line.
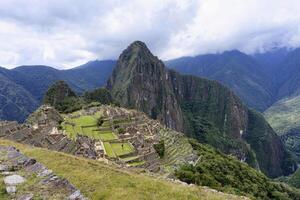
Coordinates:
x,y
201,108
37,180
154,96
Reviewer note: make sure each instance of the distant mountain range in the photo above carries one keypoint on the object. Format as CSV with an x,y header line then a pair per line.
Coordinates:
x,y
257,79
23,88
268,82
260,80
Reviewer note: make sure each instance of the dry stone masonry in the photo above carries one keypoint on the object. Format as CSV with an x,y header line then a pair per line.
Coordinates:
x,y
129,127
34,179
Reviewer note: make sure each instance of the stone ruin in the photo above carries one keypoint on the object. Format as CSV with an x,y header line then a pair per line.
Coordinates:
x,y
16,168
42,130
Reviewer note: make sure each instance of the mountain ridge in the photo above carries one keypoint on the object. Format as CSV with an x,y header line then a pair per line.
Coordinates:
x,y
35,80
210,111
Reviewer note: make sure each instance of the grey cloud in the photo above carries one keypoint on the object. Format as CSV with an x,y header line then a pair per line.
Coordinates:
x,y
66,33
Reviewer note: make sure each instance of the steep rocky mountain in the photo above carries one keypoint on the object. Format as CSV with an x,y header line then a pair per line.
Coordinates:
x,y
201,108
275,73
243,74
23,88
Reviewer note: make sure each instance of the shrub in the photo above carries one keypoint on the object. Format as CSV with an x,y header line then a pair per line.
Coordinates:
x,y
160,148
226,173
101,95
100,121
121,130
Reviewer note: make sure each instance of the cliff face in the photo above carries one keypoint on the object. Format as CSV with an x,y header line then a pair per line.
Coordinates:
x,y
140,81
200,108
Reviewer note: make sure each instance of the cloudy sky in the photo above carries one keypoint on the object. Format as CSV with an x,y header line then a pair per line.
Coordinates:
x,y
67,33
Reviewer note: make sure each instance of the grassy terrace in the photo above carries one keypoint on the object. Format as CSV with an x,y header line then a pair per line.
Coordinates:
x,y
98,181
109,150
87,125
121,149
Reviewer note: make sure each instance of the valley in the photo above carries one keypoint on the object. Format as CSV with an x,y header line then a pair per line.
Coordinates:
x,y
150,120
149,100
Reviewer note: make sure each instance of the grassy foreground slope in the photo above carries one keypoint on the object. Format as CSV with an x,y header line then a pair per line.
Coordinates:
x,y
100,181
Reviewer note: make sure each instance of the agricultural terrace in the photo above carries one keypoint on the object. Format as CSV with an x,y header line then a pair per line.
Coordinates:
x,y
77,124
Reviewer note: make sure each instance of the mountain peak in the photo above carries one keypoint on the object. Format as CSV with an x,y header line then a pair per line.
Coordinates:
x,y
138,43
137,49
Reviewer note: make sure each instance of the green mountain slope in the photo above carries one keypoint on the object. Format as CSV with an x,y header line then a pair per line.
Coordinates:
x,y
16,103
23,88
225,173
238,71
284,117
201,108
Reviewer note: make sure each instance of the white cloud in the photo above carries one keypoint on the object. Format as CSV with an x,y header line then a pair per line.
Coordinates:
x,y
66,33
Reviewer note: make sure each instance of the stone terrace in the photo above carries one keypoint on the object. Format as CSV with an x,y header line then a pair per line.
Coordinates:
x,y
25,178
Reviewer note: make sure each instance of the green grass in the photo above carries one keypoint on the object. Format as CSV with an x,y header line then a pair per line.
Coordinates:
x,y
109,150
87,125
106,124
131,158
3,194
120,149
107,136
90,131
99,181
85,121
135,164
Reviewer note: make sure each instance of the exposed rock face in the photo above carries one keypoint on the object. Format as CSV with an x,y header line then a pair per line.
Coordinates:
x,y
201,108
154,96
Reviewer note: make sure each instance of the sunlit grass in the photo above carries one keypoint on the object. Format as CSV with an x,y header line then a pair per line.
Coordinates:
x,y
100,181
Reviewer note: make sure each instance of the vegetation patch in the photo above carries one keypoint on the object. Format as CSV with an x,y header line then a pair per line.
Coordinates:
x,y
225,173
160,148
136,164
107,136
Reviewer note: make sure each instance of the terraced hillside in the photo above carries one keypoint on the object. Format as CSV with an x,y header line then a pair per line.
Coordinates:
x,y
128,137
97,180
112,134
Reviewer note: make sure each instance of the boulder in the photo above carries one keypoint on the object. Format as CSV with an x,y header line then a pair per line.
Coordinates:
x,y
26,197
14,180
11,189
